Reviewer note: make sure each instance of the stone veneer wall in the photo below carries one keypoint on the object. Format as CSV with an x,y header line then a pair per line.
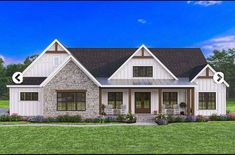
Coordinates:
x,y
71,77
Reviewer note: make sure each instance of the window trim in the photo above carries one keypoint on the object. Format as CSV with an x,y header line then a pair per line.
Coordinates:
x,y
177,94
70,91
115,99
28,100
133,73
207,103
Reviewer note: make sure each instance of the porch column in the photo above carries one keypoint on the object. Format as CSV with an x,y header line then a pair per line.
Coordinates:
x,y
100,100
192,100
129,103
160,100
188,102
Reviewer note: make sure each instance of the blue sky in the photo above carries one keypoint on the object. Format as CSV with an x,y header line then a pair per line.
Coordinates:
x,y
27,28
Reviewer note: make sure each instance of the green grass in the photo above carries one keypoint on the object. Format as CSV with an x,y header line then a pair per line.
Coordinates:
x,y
210,137
4,104
231,105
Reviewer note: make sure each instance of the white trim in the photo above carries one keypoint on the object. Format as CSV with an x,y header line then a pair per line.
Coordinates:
x,y
56,71
23,86
143,46
226,84
51,44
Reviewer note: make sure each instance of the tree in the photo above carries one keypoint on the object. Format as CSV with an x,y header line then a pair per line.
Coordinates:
x,y
7,72
224,61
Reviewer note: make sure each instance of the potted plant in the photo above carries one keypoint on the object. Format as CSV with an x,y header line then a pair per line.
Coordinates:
x,y
161,119
130,118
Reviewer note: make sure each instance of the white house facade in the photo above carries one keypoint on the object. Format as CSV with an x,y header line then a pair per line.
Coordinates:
x,y
93,81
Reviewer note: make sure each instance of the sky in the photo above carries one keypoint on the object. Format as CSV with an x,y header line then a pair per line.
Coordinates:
x,y
27,28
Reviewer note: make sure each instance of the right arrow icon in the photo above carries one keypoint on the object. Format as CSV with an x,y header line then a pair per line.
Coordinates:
x,y
218,77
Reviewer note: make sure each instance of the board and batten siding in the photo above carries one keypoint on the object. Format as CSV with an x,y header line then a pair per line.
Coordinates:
x,y
25,108
46,65
126,72
208,85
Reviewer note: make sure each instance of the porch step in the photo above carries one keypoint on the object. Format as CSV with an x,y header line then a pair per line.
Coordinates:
x,y
145,118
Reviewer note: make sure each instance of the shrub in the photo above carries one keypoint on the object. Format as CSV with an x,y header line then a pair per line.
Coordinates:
x,y
120,118
213,117
130,118
15,117
190,118
89,120
52,119
201,118
4,118
99,119
67,118
161,116
171,118
227,111
162,119
37,119
228,117
180,118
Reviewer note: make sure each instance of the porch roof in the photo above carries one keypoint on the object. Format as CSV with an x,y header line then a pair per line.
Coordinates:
x,y
181,82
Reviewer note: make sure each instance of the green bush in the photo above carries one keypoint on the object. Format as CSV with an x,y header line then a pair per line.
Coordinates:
x,y
130,118
4,118
67,118
120,118
15,117
201,118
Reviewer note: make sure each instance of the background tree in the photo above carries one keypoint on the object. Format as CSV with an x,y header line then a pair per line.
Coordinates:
x,y
6,73
224,61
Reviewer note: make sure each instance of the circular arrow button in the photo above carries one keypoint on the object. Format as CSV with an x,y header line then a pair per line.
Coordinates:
x,y
218,77
17,77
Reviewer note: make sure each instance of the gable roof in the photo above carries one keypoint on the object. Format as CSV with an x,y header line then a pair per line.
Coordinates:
x,y
30,81
103,62
207,66
144,47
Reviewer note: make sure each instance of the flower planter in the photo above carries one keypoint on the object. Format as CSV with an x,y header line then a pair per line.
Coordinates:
x,y
162,122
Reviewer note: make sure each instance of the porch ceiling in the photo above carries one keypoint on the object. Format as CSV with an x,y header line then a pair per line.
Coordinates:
x,y
181,82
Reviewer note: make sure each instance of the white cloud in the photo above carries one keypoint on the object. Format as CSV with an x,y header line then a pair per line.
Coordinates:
x,y
8,60
204,3
219,43
142,21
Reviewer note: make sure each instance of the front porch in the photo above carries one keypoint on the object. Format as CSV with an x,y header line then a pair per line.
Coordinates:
x,y
172,100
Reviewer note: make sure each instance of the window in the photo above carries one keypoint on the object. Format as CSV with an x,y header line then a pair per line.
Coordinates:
x,y
115,99
71,101
142,71
29,96
169,99
207,101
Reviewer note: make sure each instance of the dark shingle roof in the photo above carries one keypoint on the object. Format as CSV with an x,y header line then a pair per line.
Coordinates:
x,y
30,81
103,62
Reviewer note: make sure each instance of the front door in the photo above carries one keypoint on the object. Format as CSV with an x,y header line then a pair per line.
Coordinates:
x,y
142,102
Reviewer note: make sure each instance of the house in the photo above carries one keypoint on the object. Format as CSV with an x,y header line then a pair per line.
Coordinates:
x,y
122,80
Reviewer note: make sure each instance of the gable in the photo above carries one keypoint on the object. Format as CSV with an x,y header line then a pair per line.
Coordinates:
x,y
142,57
47,61
206,73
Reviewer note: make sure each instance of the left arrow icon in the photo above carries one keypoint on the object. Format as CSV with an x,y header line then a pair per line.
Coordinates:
x,y
17,77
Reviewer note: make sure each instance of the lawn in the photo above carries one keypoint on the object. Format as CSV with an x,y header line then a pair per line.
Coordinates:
x,y
231,105
4,103
210,137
